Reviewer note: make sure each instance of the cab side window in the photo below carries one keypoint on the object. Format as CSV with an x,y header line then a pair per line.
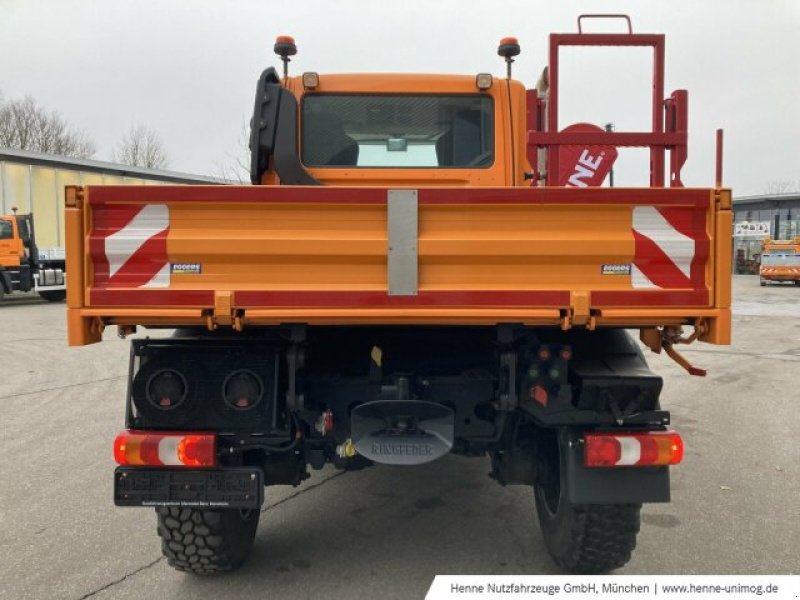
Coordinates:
x,y
6,231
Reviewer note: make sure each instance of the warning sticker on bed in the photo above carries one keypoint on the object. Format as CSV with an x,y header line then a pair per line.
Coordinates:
x,y
620,269
185,268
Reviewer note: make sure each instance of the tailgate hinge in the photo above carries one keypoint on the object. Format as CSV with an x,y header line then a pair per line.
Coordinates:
x,y
224,312
580,312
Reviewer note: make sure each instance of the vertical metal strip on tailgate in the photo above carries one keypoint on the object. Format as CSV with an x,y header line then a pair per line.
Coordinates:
x,y
403,237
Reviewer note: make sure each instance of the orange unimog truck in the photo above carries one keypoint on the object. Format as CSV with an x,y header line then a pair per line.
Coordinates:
x,y
421,267
25,266
780,261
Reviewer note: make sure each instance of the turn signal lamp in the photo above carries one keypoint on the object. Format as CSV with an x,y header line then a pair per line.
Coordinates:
x,y
158,449
483,81
653,448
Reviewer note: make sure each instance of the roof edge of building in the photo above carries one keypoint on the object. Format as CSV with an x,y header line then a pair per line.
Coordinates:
x,y
105,167
767,198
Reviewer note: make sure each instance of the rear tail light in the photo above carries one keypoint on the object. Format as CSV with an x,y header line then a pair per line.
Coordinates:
x,y
653,448
156,449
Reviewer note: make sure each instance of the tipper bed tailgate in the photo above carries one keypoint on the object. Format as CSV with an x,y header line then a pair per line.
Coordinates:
x,y
238,256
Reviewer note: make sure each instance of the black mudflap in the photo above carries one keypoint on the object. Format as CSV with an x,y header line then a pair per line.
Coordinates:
x,y
622,485
402,432
233,487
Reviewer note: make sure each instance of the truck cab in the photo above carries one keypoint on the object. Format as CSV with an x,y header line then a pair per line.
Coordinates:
x,y
22,266
780,261
405,130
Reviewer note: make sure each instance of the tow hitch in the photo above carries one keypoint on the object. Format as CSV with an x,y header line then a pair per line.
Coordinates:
x,y
402,432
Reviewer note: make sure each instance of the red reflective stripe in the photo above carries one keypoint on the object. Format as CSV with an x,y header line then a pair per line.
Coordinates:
x,y
205,298
683,219
143,264
139,268
324,299
107,220
651,259
112,197
656,265
105,195
147,297
357,299
653,297
692,224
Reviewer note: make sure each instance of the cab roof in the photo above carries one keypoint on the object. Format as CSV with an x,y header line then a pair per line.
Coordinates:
x,y
392,83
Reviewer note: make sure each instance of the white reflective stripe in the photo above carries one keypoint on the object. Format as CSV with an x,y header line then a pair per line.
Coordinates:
x,y
121,245
630,450
168,450
160,279
678,247
639,279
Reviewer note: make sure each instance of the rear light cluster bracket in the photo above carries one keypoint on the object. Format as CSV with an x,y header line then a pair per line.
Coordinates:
x,y
593,485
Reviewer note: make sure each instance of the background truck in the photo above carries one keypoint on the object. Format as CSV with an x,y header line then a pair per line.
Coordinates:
x,y
24,266
408,277
32,197
780,261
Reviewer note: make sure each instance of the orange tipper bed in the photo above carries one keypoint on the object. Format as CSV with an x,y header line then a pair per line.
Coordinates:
x,y
230,256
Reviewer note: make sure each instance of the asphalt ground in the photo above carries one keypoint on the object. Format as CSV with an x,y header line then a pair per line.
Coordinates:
x,y
385,532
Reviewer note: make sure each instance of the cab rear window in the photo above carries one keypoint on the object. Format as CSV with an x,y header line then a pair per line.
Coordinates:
x,y
380,131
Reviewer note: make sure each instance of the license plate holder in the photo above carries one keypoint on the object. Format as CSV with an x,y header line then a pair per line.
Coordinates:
x,y
233,487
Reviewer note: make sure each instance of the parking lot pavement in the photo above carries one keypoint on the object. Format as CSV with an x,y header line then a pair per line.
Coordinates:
x,y
385,532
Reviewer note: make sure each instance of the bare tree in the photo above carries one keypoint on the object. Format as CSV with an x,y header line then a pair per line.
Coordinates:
x,y
237,168
24,125
141,147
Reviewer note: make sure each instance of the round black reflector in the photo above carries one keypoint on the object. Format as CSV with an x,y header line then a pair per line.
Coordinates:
x,y
166,389
242,389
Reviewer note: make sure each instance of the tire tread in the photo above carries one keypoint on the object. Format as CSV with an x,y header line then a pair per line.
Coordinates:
x,y
184,532
603,538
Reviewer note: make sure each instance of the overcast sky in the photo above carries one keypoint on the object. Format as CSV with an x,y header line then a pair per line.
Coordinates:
x,y
188,68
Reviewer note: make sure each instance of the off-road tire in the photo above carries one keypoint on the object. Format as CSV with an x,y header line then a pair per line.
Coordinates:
x,y
762,282
206,542
54,295
588,538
